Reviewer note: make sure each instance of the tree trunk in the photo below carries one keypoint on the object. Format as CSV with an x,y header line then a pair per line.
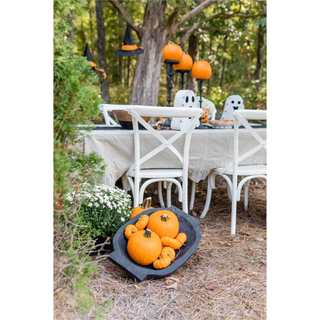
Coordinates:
x,y
260,54
192,84
102,51
145,87
224,62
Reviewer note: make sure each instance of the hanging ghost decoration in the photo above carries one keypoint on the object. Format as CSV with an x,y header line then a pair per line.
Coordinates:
x,y
185,99
233,103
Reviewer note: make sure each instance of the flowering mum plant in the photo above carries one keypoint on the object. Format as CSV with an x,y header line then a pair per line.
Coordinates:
x,y
103,209
207,104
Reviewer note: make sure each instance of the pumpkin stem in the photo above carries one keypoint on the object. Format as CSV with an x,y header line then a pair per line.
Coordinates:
x,y
147,234
146,203
164,217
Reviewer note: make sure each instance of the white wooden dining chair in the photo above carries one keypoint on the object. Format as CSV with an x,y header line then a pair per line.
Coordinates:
x,y
105,109
135,173
234,168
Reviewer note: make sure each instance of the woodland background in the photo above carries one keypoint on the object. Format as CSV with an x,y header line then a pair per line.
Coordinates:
x,y
230,35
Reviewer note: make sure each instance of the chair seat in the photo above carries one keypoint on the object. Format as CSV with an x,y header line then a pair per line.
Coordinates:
x,y
158,173
249,170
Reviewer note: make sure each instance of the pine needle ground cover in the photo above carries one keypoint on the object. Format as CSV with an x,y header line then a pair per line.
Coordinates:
x,y
224,279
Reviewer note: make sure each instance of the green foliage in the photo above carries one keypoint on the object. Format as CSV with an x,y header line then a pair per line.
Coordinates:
x,y
103,209
79,270
76,97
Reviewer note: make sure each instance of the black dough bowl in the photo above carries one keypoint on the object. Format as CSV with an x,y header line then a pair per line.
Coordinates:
x,y
121,258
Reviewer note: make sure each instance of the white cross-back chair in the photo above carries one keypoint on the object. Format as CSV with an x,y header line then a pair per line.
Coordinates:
x,y
235,169
135,173
105,109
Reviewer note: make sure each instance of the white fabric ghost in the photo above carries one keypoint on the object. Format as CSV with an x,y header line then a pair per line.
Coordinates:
x,y
186,99
234,102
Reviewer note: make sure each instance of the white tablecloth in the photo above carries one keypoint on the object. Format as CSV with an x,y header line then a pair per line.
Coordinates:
x,y
209,149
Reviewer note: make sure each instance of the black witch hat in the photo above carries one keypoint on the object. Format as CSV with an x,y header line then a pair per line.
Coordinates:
x,y
94,68
128,48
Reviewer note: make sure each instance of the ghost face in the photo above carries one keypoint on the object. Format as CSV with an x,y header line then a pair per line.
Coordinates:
x,y
233,103
185,98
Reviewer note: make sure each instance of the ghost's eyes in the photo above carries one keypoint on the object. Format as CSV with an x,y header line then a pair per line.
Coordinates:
x,y
187,99
239,102
232,101
192,98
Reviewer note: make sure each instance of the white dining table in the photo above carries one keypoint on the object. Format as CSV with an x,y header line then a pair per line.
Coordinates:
x,y
209,149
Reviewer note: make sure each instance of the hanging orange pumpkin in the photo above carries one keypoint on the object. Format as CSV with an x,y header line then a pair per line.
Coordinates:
x,y
164,223
185,63
201,70
172,52
145,206
205,116
144,247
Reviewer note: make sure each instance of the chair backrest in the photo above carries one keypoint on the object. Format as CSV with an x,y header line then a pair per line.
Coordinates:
x,y
105,109
233,103
137,112
243,116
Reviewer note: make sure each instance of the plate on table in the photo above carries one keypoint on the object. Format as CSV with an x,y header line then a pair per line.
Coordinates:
x,y
221,123
121,258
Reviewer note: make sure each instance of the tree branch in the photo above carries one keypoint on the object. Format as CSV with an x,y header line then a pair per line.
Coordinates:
x,y
222,16
197,10
135,26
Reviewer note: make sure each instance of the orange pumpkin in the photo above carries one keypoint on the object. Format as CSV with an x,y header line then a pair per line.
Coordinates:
x,y
170,242
205,116
130,230
201,70
142,222
144,247
162,262
181,237
164,223
145,206
172,52
169,252
184,64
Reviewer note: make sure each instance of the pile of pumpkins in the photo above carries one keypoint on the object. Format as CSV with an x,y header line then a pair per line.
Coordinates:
x,y
154,239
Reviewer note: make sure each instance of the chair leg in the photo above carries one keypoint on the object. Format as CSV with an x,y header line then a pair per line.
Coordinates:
x,y
208,198
246,198
160,194
193,192
234,204
169,194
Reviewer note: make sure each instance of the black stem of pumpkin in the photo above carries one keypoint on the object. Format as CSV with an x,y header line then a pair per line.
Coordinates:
x,y
147,234
164,217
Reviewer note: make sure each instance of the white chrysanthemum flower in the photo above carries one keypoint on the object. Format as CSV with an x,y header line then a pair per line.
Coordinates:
x,y
122,219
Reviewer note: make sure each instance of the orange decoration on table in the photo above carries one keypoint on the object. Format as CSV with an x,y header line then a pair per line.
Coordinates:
x,y
201,70
185,63
172,52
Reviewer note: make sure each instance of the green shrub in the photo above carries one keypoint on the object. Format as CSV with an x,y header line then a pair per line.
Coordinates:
x,y
103,209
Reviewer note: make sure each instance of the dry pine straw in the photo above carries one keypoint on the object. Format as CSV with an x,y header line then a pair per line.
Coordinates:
x,y
224,279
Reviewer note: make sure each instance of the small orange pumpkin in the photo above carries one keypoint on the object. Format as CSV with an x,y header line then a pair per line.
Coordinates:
x,y
172,52
145,206
130,230
170,242
169,251
162,262
164,223
144,247
185,63
142,222
205,116
201,70
181,237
